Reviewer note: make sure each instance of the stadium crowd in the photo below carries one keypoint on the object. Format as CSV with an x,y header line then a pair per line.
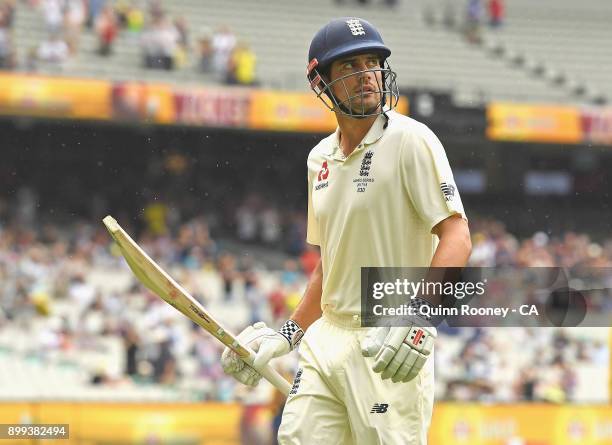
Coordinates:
x,y
475,15
7,50
75,282
165,40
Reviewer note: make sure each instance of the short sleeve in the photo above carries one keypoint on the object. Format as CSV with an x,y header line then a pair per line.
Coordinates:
x,y
428,178
312,229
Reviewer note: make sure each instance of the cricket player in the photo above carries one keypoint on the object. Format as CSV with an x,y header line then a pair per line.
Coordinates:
x,y
380,193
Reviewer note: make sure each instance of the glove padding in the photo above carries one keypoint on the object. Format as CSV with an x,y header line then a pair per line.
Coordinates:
x,y
399,352
266,342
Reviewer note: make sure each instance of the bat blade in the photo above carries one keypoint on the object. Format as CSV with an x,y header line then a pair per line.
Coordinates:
x,y
154,278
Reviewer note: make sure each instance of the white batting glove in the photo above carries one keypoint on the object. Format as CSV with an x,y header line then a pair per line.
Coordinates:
x,y
399,352
267,343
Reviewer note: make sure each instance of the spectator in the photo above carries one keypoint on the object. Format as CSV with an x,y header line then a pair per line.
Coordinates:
x,y
7,53
106,29
496,13
159,44
122,9
473,21
309,259
54,16
155,9
246,220
269,220
205,55
180,24
182,47
289,274
94,8
135,18
74,19
241,67
53,50
164,366
223,44
132,345
31,59
7,14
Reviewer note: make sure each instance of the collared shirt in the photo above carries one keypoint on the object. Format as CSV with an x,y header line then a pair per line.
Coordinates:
x,y
377,206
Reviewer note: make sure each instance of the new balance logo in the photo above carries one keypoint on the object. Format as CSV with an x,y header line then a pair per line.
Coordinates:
x,y
355,27
379,408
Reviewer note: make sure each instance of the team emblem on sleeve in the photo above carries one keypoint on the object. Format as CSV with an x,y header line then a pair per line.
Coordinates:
x,y
448,190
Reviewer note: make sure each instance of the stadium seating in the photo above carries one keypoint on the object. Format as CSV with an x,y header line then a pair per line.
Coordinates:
x,y
565,36
279,32
56,348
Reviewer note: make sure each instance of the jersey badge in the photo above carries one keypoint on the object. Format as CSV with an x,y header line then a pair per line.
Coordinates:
x,y
364,172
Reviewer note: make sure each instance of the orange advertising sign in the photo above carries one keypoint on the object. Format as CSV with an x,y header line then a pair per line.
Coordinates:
x,y
527,424
142,102
33,95
597,125
289,112
215,107
133,423
286,111
219,423
534,123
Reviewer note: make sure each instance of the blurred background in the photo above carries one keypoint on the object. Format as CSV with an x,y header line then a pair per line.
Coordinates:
x,y
190,122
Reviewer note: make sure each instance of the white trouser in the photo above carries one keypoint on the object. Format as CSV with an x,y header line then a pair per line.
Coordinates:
x,y
338,399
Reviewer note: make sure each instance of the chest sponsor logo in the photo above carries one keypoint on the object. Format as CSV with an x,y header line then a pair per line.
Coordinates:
x,y
364,172
322,177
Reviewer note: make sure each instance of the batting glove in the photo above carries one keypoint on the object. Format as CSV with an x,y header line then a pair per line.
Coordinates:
x,y
399,352
267,344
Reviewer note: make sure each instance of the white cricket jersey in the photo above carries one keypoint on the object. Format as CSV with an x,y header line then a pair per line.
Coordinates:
x,y
377,207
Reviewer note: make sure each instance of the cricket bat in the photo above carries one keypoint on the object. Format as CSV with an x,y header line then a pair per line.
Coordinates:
x,y
159,282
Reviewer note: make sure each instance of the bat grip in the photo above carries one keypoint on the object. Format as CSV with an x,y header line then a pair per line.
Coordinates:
x,y
271,375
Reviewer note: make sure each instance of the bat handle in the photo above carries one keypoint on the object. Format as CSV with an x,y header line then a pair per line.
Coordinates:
x,y
271,375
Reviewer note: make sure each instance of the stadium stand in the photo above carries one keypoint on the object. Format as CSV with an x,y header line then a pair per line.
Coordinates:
x,y
72,312
424,56
557,42
75,325
565,37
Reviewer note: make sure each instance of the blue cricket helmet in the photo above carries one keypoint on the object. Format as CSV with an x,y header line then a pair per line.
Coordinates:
x,y
343,37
